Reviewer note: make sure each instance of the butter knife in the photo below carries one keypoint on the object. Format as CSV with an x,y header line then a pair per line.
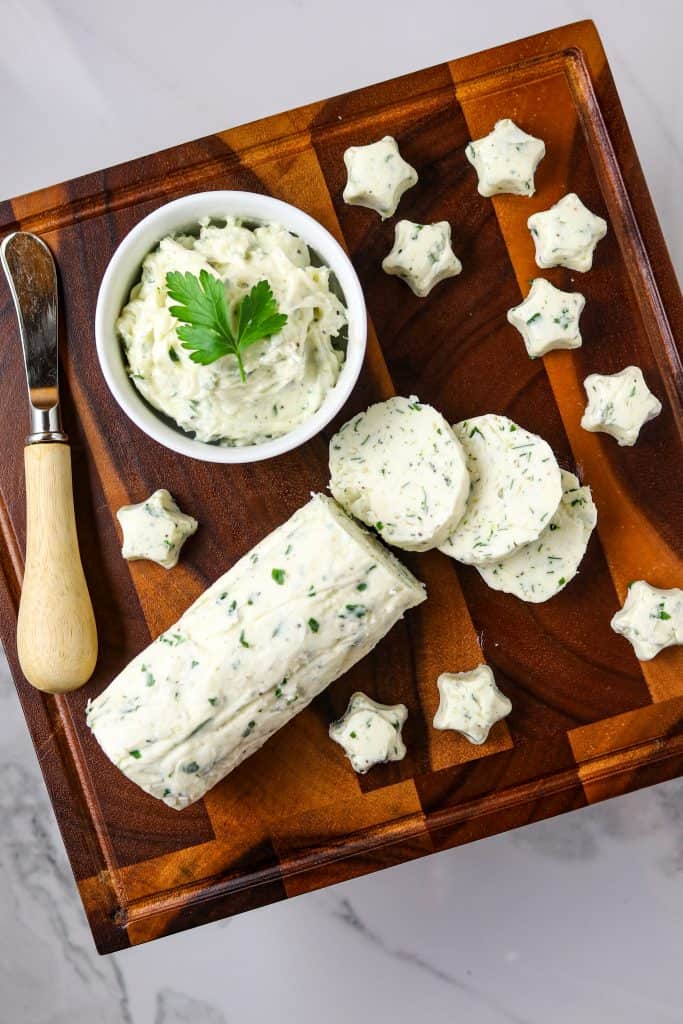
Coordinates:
x,y
56,633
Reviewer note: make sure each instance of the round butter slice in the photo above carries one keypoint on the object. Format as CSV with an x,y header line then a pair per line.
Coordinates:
x,y
541,569
515,490
399,468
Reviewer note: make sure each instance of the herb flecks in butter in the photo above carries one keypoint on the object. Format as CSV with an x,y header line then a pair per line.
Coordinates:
x,y
548,319
619,404
422,256
470,703
155,529
651,618
370,733
566,235
506,160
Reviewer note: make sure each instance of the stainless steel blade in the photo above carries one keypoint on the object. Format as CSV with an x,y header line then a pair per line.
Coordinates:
x,y
32,277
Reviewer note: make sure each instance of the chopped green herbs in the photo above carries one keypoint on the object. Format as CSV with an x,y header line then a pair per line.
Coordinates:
x,y
243,640
313,625
358,610
278,575
136,754
172,639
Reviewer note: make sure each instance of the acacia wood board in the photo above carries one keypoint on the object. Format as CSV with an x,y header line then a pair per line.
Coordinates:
x,y
589,721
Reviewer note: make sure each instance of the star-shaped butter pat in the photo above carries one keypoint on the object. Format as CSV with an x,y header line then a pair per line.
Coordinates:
x,y
506,160
651,619
377,176
370,733
470,703
422,255
566,234
619,404
548,318
155,529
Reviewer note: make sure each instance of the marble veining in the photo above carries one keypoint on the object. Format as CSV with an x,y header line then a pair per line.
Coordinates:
x,y
349,915
599,891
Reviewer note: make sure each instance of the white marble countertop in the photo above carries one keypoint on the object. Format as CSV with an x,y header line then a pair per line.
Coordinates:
x,y
578,918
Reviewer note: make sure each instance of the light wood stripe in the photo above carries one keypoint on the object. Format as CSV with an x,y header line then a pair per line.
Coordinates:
x,y
633,547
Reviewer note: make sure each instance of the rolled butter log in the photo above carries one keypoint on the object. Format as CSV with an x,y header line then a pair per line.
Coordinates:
x,y
307,603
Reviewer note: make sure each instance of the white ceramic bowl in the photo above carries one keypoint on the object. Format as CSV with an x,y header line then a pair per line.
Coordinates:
x,y
124,271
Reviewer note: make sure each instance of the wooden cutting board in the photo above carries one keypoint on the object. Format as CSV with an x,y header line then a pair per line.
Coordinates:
x,y
589,721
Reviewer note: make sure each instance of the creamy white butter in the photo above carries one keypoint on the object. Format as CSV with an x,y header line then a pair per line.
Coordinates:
x,y
506,160
539,570
515,490
155,529
651,619
619,404
377,176
288,375
370,733
307,603
548,318
422,255
470,703
399,467
566,235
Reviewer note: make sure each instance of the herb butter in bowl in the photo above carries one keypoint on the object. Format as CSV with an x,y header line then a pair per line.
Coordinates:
x,y
230,326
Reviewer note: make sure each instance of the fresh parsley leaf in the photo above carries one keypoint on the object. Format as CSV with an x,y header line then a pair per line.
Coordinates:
x,y
206,331
258,315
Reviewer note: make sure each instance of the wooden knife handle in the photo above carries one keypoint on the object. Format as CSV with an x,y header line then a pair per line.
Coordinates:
x,y
56,633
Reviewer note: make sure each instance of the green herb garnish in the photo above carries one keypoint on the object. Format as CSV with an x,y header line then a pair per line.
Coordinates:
x,y
314,625
279,576
359,610
135,753
206,330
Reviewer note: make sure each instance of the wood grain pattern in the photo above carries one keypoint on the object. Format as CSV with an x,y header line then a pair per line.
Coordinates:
x,y
588,720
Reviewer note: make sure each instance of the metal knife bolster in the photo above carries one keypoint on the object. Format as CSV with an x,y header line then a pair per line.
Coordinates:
x,y
32,277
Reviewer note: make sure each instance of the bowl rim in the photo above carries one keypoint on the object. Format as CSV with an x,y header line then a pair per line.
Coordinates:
x,y
123,270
